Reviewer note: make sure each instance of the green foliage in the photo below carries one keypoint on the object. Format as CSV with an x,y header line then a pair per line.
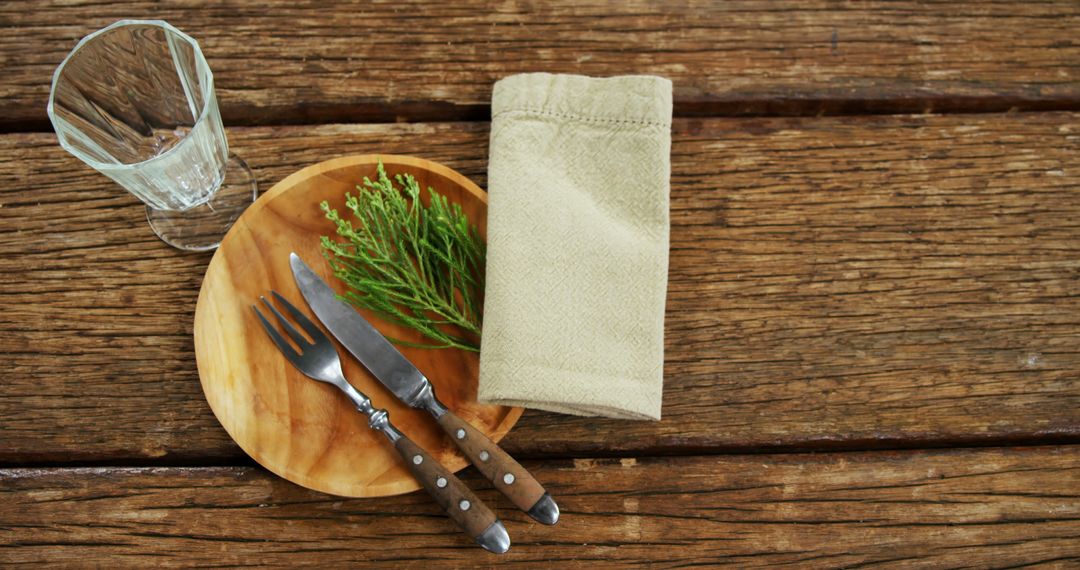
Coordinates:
x,y
416,265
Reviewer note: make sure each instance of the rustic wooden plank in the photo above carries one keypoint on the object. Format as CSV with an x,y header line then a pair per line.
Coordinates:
x,y
1000,508
834,283
289,61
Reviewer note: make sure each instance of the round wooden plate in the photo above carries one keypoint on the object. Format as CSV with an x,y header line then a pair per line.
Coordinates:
x,y
303,430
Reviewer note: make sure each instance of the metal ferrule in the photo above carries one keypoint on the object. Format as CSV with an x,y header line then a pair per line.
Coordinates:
x,y
425,398
545,510
377,418
495,538
380,420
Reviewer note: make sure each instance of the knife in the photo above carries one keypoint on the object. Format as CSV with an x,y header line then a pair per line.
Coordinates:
x,y
316,357
399,375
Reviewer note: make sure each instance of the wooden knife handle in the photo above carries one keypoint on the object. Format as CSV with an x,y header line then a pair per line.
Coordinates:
x,y
506,474
468,511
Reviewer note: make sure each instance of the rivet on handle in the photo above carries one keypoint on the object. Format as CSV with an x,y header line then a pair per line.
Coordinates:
x,y
495,465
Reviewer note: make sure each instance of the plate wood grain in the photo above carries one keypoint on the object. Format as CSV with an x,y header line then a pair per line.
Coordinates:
x,y
303,430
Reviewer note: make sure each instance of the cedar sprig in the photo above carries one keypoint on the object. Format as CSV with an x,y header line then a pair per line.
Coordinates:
x,y
416,265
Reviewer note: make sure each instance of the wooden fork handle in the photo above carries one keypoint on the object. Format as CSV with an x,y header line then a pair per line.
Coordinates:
x,y
457,500
507,475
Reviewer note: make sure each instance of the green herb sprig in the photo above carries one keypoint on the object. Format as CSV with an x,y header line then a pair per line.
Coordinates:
x,y
416,265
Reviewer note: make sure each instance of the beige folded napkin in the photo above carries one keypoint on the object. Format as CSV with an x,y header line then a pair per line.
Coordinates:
x,y
577,258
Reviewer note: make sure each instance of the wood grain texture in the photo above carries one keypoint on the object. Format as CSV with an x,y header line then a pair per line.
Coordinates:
x,y
523,490
947,509
299,428
289,61
834,283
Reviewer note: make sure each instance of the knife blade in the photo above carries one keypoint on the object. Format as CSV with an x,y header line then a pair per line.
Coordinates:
x,y
405,381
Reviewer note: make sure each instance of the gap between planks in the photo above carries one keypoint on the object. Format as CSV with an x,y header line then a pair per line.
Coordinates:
x,y
442,112
994,507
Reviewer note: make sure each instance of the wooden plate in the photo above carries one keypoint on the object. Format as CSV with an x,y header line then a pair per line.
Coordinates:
x,y
303,430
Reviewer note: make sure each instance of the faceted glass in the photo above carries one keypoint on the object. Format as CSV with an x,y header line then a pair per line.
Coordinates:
x,y
136,102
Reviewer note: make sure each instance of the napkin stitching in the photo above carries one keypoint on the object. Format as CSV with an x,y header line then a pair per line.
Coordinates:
x,y
584,118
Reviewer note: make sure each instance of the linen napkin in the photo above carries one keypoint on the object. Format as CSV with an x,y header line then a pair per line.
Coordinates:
x,y
577,259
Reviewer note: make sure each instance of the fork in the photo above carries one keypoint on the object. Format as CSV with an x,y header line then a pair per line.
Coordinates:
x,y
319,360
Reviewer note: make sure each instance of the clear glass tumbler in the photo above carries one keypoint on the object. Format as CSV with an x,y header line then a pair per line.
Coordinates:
x,y
136,102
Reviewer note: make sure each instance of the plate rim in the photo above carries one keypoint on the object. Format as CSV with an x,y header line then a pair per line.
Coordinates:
x,y
513,413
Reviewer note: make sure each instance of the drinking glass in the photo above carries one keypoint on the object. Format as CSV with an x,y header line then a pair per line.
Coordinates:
x,y
135,101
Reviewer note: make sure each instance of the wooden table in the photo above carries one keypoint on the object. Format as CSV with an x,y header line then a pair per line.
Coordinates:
x,y
873,321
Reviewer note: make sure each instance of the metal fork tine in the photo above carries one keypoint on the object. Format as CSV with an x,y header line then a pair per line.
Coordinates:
x,y
285,324
275,336
318,360
312,330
